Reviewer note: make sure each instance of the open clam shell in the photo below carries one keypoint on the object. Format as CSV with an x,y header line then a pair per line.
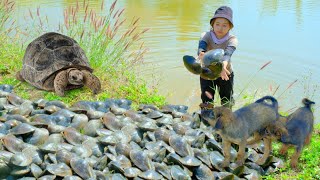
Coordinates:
x,y
212,72
191,64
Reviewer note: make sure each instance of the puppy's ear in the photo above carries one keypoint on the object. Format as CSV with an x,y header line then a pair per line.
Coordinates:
x,y
283,119
219,124
283,131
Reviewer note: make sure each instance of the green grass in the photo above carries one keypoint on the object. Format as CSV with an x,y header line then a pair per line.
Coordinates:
x,y
114,51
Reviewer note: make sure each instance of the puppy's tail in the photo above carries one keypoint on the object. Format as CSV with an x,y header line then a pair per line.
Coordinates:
x,y
307,103
274,102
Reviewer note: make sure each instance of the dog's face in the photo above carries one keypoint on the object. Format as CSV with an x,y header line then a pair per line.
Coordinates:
x,y
276,130
208,117
217,117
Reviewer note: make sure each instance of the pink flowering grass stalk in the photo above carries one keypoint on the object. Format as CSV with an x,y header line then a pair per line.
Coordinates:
x,y
253,76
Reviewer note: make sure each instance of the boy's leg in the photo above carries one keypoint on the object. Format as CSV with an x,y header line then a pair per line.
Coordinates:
x,y
206,85
226,91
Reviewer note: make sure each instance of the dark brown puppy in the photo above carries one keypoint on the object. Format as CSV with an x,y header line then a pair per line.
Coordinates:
x,y
299,126
236,127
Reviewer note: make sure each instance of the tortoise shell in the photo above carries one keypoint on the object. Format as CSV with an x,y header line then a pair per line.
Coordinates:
x,y
49,54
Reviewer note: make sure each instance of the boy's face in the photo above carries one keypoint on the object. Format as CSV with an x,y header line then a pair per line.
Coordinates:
x,y
221,27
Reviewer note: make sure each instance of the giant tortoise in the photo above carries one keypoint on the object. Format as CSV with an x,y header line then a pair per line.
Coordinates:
x,y
55,62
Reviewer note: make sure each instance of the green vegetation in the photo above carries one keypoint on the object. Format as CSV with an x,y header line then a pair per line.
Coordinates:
x,y
115,51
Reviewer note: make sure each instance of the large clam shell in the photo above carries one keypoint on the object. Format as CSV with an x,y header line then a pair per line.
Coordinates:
x,y
141,160
112,122
82,168
180,145
60,169
191,64
72,136
163,169
178,173
150,174
131,172
203,172
12,143
213,56
20,159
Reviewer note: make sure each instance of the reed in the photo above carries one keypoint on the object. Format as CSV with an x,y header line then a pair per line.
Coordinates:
x,y
7,25
253,76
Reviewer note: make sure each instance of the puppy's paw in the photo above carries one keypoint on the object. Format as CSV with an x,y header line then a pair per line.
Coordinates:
x,y
283,152
260,161
294,165
239,162
224,164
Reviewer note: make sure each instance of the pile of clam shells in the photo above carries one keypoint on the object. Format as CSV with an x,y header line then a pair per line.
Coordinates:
x,y
108,139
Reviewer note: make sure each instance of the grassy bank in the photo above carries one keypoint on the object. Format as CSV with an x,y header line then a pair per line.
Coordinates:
x,y
115,51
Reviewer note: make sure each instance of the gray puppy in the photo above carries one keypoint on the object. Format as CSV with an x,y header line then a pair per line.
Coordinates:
x,y
299,125
236,127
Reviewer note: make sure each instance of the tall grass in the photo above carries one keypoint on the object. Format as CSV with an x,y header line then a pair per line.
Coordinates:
x,y
113,44
6,24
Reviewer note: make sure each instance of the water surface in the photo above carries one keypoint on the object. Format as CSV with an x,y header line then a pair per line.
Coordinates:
x,y
284,32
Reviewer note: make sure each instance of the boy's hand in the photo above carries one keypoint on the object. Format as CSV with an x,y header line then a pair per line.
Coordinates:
x,y
201,55
224,73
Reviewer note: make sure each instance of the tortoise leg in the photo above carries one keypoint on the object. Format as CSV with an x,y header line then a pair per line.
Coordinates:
x,y
91,81
19,76
60,83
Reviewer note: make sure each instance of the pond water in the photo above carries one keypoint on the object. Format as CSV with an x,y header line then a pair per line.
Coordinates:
x,y
283,32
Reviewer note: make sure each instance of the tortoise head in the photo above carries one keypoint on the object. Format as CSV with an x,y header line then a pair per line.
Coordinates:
x,y
75,76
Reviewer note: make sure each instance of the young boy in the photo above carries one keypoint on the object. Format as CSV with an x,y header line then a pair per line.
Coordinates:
x,y
219,37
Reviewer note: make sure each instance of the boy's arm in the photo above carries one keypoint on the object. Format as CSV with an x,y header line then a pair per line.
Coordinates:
x,y
228,53
202,46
